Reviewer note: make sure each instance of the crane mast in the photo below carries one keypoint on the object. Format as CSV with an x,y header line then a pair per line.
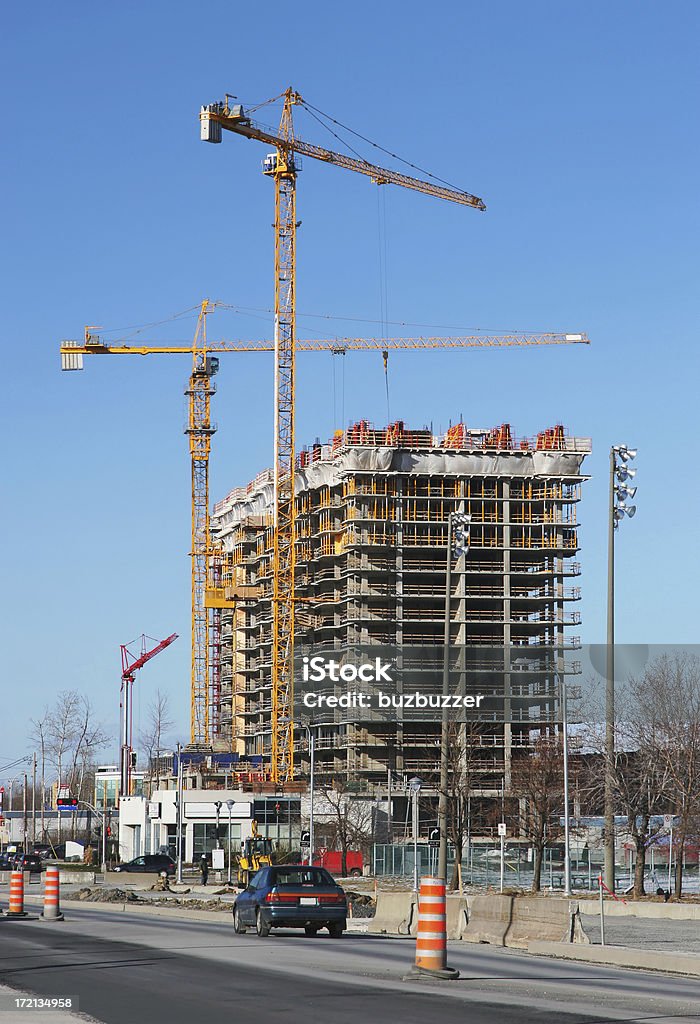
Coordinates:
x,y
200,429
130,666
282,168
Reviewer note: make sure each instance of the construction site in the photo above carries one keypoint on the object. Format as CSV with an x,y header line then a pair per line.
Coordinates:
x,y
347,543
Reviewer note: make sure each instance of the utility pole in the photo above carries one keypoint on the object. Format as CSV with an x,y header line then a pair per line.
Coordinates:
x,y
24,813
34,800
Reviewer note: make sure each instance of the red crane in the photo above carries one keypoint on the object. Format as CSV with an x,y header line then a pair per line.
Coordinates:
x,y
130,666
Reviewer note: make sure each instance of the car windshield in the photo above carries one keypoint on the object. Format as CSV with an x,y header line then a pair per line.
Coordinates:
x,y
301,876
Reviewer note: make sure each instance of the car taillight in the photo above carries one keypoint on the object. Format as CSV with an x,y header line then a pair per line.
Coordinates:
x,y
336,898
280,897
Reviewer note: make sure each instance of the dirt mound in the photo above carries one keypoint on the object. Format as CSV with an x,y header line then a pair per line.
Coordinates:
x,y
193,904
107,896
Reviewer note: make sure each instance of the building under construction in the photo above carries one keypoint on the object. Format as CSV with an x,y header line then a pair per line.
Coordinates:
x,y
371,535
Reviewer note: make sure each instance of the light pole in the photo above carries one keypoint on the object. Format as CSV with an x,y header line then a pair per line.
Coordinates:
x,y
309,727
567,838
217,804
620,490
229,804
457,546
415,784
178,826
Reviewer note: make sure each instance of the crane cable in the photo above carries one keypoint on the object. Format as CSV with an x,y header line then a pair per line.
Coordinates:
x,y
308,107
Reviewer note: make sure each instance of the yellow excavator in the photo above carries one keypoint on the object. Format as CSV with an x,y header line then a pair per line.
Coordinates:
x,y
256,853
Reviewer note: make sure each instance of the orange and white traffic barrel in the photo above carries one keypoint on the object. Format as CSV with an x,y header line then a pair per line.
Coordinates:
x,y
52,908
431,937
16,908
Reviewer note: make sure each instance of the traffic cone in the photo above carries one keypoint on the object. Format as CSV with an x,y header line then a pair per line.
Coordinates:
x,y
16,908
431,938
52,910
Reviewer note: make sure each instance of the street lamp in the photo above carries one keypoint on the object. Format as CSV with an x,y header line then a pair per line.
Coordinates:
x,y
178,826
458,524
620,491
415,784
565,752
308,727
217,804
229,804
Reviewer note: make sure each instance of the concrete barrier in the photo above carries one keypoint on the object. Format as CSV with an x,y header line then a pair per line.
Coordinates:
x,y
396,914
68,877
457,916
138,879
518,920
489,918
545,919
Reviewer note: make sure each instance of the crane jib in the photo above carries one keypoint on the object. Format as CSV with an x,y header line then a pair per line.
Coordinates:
x,y
241,125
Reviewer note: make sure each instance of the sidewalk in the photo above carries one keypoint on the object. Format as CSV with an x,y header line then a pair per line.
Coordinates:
x,y
11,1013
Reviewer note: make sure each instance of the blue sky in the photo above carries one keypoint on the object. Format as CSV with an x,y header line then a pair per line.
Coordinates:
x,y
577,125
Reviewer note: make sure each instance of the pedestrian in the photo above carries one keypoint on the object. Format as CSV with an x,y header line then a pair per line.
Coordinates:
x,y
204,868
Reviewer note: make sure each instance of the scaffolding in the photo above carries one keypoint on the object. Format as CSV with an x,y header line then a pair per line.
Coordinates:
x,y
372,510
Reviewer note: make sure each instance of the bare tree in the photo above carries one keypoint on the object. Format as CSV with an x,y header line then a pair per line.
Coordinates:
x,y
345,821
70,739
537,779
671,692
639,769
154,735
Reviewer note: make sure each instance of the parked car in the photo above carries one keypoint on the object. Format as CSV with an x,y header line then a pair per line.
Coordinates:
x,y
291,896
6,861
45,852
28,862
155,862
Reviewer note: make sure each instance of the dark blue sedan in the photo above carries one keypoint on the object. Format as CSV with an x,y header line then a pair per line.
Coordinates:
x,y
291,896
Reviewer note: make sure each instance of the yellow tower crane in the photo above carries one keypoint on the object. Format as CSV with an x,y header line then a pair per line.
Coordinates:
x,y
282,167
200,429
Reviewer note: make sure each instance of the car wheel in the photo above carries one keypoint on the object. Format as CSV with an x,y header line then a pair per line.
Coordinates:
x,y
356,873
311,930
238,926
336,929
261,925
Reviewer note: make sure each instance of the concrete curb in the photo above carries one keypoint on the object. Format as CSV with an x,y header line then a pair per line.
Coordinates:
x,y
622,956
636,908
217,916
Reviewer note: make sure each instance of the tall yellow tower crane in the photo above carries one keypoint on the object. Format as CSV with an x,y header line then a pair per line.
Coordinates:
x,y
282,167
200,429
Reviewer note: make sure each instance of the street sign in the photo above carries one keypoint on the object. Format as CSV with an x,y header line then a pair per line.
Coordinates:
x,y
305,838
434,837
502,831
668,820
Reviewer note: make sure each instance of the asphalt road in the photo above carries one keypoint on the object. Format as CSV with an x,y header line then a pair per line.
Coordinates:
x,y
126,968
